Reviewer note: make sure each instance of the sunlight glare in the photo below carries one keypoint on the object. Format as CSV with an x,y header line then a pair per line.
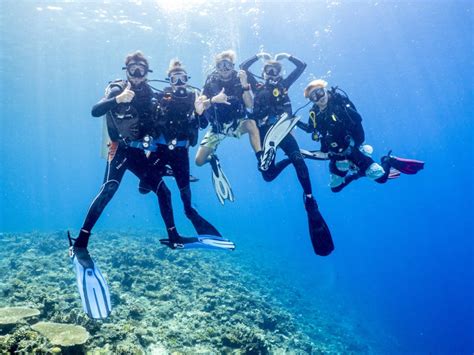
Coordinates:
x,y
179,5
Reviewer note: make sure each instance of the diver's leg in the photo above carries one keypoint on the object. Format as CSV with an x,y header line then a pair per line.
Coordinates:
x,y
145,169
318,230
115,169
368,167
249,126
292,150
207,147
180,165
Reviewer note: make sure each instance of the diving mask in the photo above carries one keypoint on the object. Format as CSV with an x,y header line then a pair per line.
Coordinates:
x,y
137,69
317,94
224,65
178,78
272,71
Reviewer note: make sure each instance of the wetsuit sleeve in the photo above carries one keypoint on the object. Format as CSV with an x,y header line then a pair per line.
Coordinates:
x,y
206,89
250,77
106,104
305,126
296,73
246,64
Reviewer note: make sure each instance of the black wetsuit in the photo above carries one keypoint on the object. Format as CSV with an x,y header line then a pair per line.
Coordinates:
x,y
126,123
271,100
176,128
222,114
339,128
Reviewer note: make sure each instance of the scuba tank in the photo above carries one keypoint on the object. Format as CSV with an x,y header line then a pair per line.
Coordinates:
x,y
174,116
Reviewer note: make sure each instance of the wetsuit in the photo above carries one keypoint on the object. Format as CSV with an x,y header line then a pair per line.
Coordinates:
x,y
176,128
220,115
226,120
272,100
126,123
339,128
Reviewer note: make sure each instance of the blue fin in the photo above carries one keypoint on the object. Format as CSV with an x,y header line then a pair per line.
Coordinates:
x,y
93,289
220,181
200,242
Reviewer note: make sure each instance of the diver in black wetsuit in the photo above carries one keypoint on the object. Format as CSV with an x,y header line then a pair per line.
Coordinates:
x,y
225,99
271,100
335,122
128,106
176,128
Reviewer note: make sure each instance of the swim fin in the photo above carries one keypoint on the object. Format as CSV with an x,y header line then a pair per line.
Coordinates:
x,y
277,132
314,154
199,242
220,182
393,174
95,295
318,230
405,166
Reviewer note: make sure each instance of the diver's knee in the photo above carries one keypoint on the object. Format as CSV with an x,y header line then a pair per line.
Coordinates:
x,y
267,175
110,187
375,171
162,190
336,182
202,157
250,127
296,157
199,161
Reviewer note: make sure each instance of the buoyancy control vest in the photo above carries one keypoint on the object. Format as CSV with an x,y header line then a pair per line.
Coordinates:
x,y
222,113
336,124
272,100
175,118
128,122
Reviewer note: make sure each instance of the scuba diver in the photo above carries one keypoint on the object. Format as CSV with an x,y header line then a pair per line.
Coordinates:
x,y
335,122
129,109
273,113
225,101
176,128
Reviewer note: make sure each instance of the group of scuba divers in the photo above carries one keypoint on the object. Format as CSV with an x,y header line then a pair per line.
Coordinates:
x,y
151,130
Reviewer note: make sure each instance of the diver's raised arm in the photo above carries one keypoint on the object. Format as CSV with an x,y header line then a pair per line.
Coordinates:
x,y
246,64
116,94
296,73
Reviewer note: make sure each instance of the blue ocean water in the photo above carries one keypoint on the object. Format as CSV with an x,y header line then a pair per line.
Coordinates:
x,y
403,266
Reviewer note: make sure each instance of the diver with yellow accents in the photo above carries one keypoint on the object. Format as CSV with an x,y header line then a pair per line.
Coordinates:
x,y
335,122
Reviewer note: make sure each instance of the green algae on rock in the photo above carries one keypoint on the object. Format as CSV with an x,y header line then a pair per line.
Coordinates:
x,y
12,315
62,334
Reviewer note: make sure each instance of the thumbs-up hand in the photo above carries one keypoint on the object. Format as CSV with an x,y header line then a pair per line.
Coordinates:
x,y
126,96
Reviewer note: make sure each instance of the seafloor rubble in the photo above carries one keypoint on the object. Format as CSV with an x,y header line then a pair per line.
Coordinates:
x,y
164,301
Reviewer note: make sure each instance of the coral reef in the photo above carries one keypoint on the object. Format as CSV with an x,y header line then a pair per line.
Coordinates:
x,y
12,315
62,334
163,300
